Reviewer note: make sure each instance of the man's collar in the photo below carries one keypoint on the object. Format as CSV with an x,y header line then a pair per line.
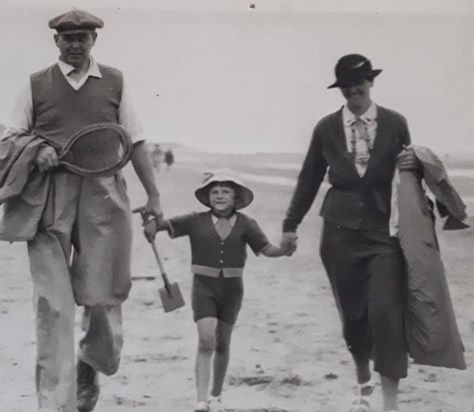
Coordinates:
x,y
93,71
369,117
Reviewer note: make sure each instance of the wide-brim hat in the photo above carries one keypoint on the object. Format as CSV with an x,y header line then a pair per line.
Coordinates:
x,y
75,21
352,70
244,196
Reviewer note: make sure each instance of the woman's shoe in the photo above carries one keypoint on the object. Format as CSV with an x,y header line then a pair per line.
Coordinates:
x,y
361,402
201,407
215,404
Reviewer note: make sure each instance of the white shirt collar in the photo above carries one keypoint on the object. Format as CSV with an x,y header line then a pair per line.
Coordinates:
x,y
231,219
93,70
369,117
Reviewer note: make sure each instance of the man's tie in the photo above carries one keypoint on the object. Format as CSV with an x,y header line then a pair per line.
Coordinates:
x,y
361,145
223,227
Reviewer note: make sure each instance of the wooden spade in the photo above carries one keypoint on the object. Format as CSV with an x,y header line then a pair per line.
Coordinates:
x,y
170,294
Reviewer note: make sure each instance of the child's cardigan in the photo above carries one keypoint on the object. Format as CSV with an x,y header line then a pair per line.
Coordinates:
x,y
212,255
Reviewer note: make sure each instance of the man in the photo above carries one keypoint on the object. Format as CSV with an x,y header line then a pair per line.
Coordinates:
x,y
169,159
157,155
81,250
359,147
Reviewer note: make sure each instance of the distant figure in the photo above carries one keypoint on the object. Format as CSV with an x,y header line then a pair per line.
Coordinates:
x,y
156,156
169,159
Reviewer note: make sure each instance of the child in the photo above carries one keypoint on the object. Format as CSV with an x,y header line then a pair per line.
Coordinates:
x,y
218,247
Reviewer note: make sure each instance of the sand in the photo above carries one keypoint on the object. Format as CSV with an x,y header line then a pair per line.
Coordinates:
x,y
287,352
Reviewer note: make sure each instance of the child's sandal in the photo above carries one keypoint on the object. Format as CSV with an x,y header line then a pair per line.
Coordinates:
x,y
201,407
361,402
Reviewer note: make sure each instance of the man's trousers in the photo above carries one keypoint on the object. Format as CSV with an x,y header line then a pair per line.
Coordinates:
x,y
79,256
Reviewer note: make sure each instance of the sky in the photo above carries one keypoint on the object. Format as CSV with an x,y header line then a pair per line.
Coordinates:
x,y
219,76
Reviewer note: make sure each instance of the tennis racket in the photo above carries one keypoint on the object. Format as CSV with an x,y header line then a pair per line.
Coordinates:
x,y
97,150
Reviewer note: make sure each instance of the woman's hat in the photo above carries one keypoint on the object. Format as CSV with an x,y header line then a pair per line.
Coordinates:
x,y
352,70
243,198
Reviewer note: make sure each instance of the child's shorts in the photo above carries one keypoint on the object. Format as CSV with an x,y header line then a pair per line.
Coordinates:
x,y
219,298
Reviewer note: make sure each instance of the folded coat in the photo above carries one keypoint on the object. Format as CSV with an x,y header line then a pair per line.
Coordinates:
x,y
432,334
23,190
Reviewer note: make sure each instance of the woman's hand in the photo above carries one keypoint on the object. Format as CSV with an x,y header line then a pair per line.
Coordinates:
x,y
289,242
407,160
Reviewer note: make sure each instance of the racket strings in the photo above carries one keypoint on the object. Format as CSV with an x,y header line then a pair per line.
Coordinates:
x,y
101,149
96,150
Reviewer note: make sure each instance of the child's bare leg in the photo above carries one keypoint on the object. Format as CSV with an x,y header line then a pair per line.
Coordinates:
x,y
390,393
221,357
206,346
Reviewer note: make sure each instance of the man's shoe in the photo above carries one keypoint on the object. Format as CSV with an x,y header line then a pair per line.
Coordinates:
x,y
87,387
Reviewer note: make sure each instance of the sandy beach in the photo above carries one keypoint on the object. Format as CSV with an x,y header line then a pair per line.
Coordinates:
x,y
287,352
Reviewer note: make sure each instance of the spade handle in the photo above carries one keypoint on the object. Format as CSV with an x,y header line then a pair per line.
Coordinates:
x,y
160,265
162,269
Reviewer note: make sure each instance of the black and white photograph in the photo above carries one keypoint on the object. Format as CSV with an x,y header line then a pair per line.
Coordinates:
x,y
237,206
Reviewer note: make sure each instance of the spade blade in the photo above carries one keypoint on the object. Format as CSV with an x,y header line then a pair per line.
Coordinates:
x,y
171,297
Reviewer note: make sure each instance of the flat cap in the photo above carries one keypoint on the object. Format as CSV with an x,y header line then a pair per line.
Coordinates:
x,y
75,21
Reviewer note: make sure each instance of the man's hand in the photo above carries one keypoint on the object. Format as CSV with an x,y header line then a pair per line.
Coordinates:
x,y
46,158
152,217
407,160
153,208
289,242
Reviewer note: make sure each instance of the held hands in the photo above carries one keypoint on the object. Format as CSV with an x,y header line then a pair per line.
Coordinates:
x,y
289,243
150,229
46,158
407,160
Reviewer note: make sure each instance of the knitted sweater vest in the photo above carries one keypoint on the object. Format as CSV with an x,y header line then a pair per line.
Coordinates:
x,y
211,255
59,111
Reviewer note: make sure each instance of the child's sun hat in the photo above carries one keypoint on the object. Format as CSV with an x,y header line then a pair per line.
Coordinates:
x,y
244,195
